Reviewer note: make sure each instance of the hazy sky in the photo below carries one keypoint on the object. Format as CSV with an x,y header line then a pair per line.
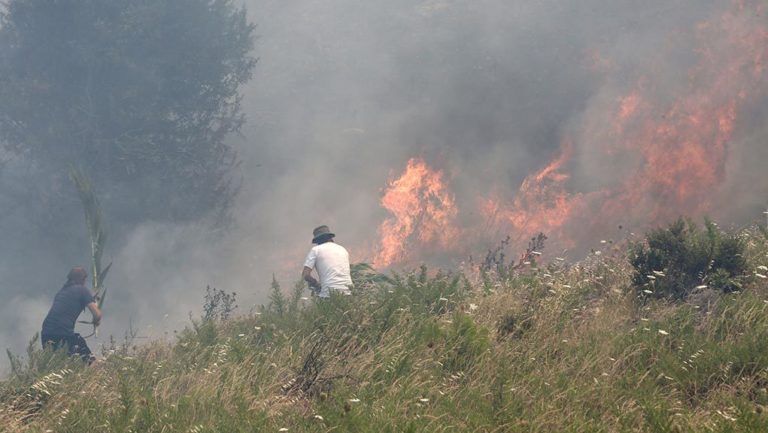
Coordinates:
x,y
345,92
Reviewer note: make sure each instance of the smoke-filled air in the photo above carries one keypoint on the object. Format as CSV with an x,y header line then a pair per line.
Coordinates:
x,y
217,135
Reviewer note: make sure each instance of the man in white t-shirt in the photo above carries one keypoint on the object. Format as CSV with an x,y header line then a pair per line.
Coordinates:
x,y
331,261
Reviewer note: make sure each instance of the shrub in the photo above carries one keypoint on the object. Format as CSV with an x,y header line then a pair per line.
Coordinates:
x,y
219,305
514,325
673,261
466,341
278,303
419,292
366,278
496,263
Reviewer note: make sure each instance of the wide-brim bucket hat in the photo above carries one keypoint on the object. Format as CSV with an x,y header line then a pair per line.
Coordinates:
x,y
321,233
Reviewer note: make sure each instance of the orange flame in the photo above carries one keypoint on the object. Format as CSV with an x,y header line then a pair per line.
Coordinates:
x,y
684,151
679,152
423,212
542,203
667,152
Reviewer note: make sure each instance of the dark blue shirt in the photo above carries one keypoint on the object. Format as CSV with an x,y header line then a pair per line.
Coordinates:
x,y
67,306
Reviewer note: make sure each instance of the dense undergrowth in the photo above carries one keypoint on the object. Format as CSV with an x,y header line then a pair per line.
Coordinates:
x,y
563,347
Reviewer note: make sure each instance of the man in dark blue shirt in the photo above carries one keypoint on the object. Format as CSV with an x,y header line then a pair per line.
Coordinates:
x,y
59,325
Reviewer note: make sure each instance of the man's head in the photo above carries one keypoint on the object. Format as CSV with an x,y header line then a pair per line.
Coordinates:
x,y
76,276
322,235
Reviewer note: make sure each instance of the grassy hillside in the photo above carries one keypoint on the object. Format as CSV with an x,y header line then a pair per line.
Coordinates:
x,y
566,348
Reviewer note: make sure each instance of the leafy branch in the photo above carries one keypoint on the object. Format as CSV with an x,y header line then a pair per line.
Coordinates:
x,y
96,234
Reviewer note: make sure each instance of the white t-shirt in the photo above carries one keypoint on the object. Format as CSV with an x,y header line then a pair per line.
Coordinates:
x,y
331,261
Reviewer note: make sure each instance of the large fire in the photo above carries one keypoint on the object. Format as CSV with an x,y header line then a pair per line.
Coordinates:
x,y
542,203
423,213
666,154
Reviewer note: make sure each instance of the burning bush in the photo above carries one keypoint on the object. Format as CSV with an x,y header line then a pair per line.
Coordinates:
x,y
678,259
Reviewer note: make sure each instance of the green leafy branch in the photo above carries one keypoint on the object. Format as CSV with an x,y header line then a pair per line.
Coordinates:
x,y
96,234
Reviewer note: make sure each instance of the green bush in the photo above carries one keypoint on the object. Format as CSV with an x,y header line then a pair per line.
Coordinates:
x,y
675,260
465,341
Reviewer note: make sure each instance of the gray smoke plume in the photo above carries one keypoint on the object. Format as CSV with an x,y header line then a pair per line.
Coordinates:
x,y
345,92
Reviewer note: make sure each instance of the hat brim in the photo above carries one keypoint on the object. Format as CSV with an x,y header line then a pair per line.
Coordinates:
x,y
323,237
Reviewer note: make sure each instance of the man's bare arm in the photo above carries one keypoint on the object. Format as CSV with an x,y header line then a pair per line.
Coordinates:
x,y
306,274
94,307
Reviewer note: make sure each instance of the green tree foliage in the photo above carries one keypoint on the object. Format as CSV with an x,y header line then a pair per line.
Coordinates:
x,y
141,94
675,260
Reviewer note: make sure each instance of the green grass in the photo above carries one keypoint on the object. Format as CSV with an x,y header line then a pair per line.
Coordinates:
x,y
565,348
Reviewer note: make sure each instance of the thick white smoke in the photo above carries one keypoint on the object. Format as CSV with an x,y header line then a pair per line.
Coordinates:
x,y
344,94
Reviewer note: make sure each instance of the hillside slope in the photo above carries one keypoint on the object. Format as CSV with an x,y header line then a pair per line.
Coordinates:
x,y
566,348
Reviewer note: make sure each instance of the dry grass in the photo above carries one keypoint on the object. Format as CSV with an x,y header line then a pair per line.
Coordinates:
x,y
566,348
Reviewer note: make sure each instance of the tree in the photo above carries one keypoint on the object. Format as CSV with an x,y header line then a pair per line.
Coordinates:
x,y
139,93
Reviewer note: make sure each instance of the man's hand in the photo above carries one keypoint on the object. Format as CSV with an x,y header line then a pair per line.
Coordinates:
x,y
94,307
314,285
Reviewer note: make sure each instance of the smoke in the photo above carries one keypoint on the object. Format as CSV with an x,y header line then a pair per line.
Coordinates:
x,y
345,93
